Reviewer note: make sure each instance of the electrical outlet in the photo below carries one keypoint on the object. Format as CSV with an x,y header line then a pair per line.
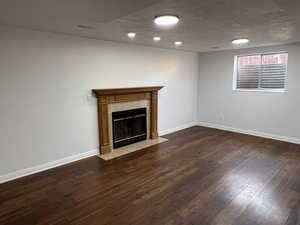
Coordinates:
x,y
220,116
91,100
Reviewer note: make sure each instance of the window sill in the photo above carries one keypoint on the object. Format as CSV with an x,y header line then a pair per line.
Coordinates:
x,y
262,90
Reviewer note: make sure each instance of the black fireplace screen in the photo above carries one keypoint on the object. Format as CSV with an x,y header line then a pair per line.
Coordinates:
x,y
129,126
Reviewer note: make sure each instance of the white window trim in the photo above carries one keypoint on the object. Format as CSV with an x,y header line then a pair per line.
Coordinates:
x,y
261,90
234,80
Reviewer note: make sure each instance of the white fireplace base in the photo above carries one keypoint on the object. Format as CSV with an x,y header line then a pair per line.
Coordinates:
x,y
132,148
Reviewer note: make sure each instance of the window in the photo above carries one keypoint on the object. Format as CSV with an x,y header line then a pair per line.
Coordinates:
x,y
266,72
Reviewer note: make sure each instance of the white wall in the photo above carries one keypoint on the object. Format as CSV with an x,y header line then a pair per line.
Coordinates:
x,y
45,81
270,114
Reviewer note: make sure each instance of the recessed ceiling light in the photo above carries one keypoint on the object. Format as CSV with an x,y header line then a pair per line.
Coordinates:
x,y
178,43
240,41
156,39
166,20
131,35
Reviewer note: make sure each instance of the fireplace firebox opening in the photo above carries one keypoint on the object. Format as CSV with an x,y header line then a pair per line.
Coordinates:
x,y
129,126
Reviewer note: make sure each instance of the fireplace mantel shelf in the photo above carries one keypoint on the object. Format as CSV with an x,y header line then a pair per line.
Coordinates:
x,y
115,91
118,95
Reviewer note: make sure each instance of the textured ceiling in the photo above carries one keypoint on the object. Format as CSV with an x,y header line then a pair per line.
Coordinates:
x,y
206,25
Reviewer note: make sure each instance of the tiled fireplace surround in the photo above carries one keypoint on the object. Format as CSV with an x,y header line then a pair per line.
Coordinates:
x,y
114,100
121,106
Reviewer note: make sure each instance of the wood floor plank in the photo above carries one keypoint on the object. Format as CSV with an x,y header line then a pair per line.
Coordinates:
x,y
202,176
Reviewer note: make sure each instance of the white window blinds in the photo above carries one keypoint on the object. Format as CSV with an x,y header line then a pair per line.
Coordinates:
x,y
261,72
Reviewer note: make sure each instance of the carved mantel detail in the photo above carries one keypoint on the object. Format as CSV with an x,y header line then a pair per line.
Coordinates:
x,y
109,96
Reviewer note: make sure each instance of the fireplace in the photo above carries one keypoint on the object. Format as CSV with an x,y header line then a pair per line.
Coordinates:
x,y
129,126
126,116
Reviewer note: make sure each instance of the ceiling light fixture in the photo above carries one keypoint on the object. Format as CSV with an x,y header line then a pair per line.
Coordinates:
x,y
239,41
178,43
131,35
166,20
156,39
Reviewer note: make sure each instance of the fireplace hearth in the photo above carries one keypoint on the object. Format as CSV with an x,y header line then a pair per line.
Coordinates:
x,y
129,126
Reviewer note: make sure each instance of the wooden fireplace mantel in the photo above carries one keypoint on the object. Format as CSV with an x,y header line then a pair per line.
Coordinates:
x,y
116,95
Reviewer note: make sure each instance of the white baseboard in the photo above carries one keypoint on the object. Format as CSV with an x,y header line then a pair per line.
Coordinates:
x,y
46,166
251,132
60,162
172,130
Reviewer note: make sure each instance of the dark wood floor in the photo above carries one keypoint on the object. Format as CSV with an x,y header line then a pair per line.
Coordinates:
x,y
201,176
